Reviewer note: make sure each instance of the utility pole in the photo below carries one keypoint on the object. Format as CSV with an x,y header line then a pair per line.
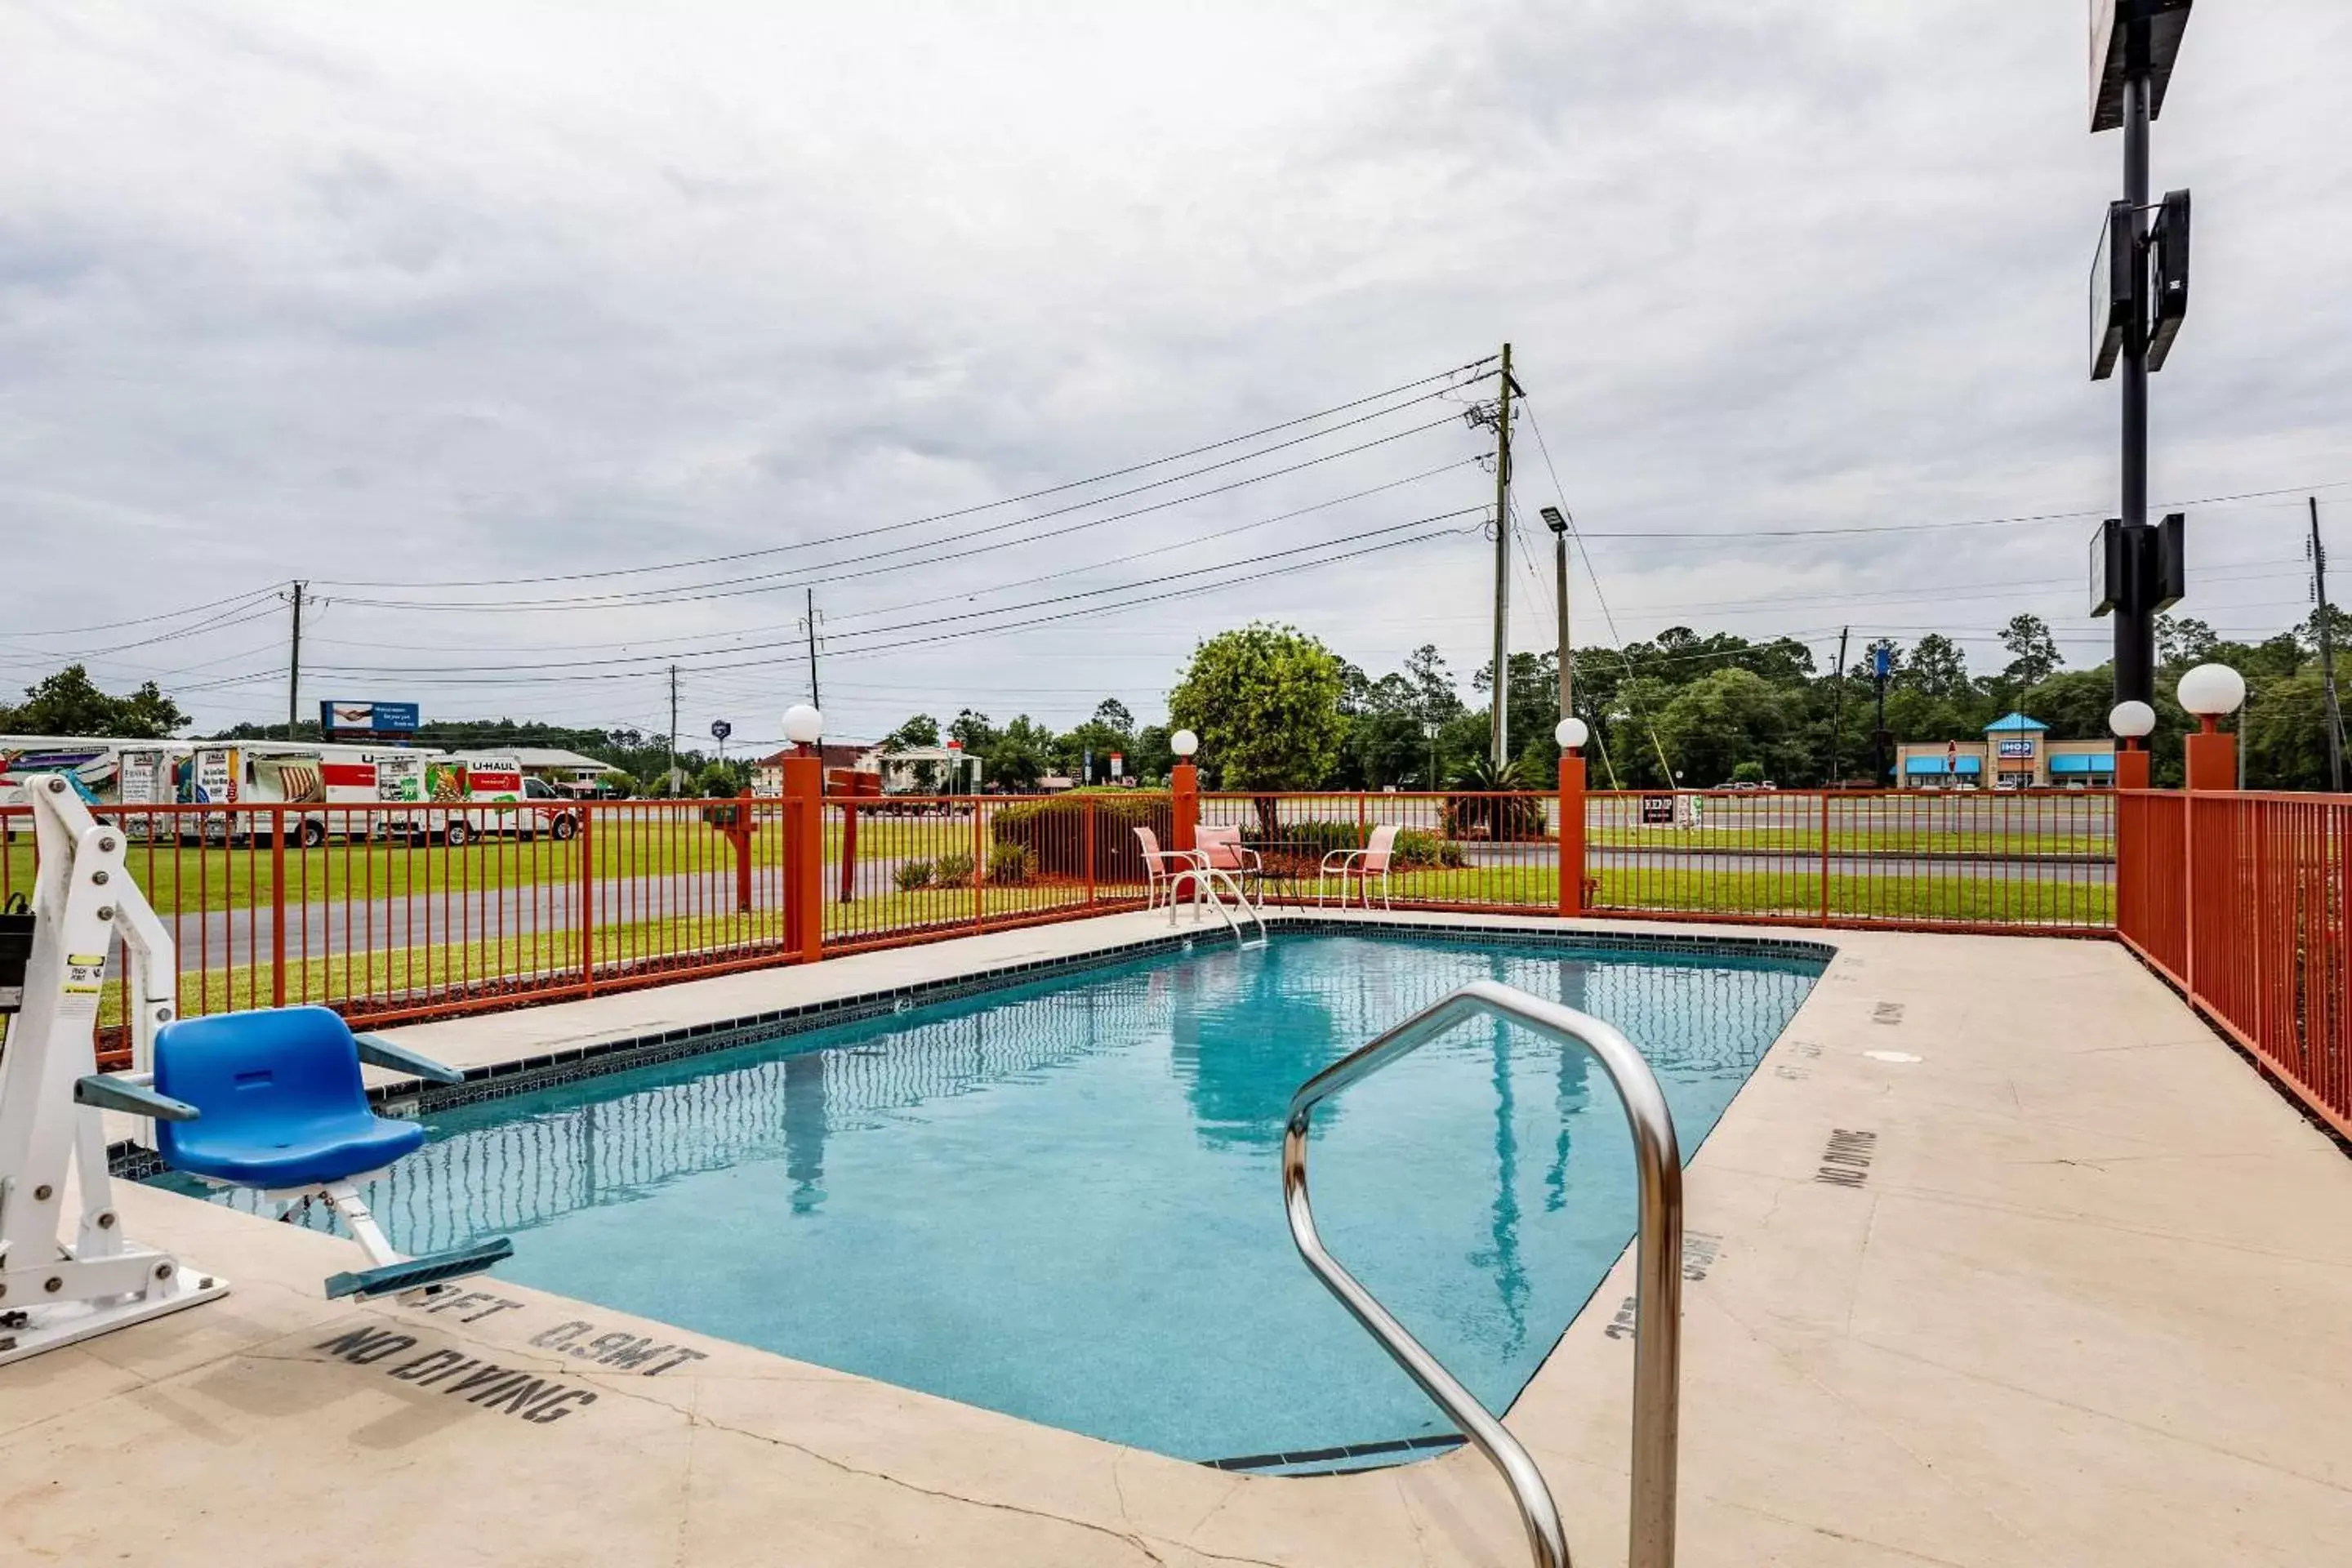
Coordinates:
x,y
672,780
814,700
2326,652
1837,712
1554,520
1499,724
1882,662
294,666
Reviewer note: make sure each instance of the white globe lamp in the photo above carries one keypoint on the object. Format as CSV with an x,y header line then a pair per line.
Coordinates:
x,y
804,725
1571,734
1183,742
2212,690
2133,721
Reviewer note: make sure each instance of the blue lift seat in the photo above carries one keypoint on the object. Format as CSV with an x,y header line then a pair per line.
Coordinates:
x,y
282,1101
274,1100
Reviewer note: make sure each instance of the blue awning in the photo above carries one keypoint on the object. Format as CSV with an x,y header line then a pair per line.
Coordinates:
x,y
2084,762
1934,765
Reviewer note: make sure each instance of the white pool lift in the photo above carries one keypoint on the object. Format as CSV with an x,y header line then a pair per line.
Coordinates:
x,y
272,1100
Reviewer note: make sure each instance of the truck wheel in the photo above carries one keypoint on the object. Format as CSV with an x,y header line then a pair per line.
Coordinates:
x,y
566,825
457,834
313,835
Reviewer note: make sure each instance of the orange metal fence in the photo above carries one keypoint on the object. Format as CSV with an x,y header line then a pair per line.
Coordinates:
x,y
395,912
2243,901
908,868
1995,860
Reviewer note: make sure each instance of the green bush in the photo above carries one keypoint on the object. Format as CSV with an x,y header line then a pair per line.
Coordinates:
x,y
1497,818
952,871
1008,863
1307,840
1054,831
1417,850
911,875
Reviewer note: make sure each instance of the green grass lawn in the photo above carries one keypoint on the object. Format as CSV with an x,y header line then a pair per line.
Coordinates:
x,y
455,968
1890,839
1796,893
190,879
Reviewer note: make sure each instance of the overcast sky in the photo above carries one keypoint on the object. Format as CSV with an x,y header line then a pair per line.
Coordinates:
x,y
434,294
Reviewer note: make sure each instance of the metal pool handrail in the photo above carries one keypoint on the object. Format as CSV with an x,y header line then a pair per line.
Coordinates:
x,y
1657,1347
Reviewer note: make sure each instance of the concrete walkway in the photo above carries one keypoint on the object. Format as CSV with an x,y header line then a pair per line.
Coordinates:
x,y
2075,1290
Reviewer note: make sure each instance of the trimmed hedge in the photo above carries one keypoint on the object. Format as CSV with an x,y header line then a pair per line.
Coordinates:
x,y
1310,840
1054,832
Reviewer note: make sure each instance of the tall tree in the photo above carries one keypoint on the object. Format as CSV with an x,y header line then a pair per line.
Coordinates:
x,y
1112,715
70,703
1265,700
2184,639
2034,652
1938,668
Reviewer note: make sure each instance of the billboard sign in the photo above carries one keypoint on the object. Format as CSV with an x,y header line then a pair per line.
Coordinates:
x,y
367,718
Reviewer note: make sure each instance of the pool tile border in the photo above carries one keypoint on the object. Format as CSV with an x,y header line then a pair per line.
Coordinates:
x,y
552,1069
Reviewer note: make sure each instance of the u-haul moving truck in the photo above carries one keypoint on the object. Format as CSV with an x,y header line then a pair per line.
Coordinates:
x,y
336,787
482,796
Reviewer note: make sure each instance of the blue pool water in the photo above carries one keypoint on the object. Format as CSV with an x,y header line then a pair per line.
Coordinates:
x,y
1062,1201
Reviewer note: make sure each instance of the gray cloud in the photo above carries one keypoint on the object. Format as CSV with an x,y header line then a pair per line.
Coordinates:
x,y
495,290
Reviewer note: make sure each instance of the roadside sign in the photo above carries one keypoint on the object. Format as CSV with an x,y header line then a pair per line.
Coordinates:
x,y
720,729
1657,811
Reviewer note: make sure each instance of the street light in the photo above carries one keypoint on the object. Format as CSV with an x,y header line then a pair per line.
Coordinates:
x,y
1557,523
2211,691
1429,729
2133,721
804,725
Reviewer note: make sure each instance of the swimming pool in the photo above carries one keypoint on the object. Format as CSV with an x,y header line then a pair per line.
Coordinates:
x,y
1061,1199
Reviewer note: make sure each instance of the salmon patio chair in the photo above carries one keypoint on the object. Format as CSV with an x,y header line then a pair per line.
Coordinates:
x,y
1355,869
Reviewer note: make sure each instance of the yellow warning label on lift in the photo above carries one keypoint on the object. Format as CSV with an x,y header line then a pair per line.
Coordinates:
x,y
84,973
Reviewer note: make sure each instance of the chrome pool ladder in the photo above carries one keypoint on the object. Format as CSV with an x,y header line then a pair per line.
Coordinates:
x,y
1657,1346
1206,880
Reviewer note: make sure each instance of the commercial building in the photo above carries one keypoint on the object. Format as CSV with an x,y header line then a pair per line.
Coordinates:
x,y
2016,753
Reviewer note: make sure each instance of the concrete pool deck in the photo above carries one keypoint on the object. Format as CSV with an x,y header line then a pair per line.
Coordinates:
x,y
2078,1289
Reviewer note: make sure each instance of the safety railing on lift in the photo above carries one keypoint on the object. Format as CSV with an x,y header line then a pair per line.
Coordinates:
x,y
1658,1352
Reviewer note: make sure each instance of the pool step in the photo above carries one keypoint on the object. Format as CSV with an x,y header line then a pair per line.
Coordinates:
x,y
1345,1458
412,1273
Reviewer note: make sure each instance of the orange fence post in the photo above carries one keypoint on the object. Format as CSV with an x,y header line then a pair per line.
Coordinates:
x,y
1088,813
277,906
1571,833
979,867
1184,804
2211,766
805,854
1825,857
739,829
587,896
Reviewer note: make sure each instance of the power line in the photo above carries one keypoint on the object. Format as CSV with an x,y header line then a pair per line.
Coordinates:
x,y
1008,500
445,679
773,581
147,620
939,620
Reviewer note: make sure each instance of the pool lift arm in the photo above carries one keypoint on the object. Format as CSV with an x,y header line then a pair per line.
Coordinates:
x,y
54,1292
